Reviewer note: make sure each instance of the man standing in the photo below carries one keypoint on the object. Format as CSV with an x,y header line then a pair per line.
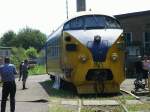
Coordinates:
x,y
20,70
25,68
7,72
145,69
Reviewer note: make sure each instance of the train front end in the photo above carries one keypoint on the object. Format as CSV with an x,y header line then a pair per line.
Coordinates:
x,y
93,54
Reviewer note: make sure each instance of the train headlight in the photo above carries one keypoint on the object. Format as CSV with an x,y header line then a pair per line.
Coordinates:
x,y
83,58
114,56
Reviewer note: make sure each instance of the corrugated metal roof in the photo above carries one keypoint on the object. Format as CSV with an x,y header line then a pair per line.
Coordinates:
x,y
142,13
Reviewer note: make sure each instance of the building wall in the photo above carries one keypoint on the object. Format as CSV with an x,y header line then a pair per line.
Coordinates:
x,y
137,25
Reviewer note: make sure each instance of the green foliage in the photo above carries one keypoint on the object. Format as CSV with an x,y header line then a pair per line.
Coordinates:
x,y
31,38
145,107
37,70
60,108
8,39
18,55
26,38
31,52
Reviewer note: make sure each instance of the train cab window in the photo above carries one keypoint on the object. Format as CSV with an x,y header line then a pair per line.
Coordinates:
x,y
94,22
67,26
74,24
112,23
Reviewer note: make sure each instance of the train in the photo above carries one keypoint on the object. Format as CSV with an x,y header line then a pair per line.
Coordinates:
x,y
88,51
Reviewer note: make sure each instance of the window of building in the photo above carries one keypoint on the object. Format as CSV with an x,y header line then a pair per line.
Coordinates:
x,y
147,42
128,38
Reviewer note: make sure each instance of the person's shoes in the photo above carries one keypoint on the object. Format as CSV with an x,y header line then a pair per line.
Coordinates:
x,y
24,88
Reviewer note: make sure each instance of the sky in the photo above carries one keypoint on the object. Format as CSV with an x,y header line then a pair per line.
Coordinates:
x,y
47,15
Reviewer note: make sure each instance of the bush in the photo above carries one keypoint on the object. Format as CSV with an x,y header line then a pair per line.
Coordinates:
x,y
37,70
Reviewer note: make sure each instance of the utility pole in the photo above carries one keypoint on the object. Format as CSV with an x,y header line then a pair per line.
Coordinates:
x,y
67,8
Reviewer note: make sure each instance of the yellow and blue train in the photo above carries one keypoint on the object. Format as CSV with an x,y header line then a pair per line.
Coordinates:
x,y
88,51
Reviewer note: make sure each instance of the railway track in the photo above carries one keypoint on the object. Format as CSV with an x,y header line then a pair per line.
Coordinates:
x,y
98,103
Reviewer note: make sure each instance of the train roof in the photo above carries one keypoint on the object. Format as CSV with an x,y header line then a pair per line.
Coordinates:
x,y
78,14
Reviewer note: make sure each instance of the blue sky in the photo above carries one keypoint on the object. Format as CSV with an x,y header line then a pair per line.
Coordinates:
x,y
47,15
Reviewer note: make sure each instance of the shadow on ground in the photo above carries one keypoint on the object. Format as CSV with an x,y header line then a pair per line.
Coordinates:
x,y
69,93
61,93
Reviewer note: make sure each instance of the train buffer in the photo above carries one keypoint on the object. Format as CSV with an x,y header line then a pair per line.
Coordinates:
x,y
141,92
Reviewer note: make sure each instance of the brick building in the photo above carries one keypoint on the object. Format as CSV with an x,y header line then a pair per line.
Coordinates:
x,y
137,31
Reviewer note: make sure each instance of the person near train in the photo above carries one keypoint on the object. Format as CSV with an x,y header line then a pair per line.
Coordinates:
x,y
24,73
20,70
139,68
149,73
145,69
7,72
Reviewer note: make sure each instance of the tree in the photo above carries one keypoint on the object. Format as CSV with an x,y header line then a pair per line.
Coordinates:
x,y
28,37
8,39
31,52
18,55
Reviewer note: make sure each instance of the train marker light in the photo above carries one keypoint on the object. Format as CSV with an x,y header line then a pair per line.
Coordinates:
x,y
114,56
83,58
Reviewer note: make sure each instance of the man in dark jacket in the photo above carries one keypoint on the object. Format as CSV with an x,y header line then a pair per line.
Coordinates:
x,y
7,72
139,68
20,70
24,68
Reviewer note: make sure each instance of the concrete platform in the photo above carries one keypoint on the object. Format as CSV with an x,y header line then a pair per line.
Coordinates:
x,y
100,102
33,99
133,102
69,102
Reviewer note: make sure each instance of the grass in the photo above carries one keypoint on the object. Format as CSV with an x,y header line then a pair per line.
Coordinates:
x,y
139,107
59,108
102,109
37,70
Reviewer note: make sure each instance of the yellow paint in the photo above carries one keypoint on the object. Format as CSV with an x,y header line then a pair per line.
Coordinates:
x,y
72,60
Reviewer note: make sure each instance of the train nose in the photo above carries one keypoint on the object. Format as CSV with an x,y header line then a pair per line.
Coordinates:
x,y
99,50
